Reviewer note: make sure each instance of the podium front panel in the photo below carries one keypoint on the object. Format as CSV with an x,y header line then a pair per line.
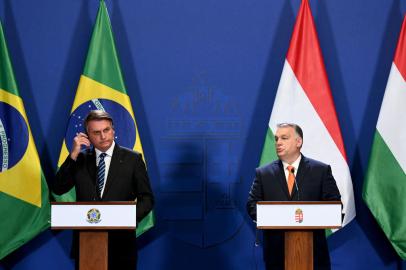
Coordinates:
x,y
298,215
93,216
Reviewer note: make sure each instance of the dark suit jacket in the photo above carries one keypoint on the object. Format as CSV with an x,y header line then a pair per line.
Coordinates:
x,y
315,183
127,180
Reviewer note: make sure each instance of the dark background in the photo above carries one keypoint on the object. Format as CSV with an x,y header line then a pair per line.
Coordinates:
x,y
202,77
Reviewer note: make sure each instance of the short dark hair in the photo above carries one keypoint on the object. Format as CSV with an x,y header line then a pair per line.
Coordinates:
x,y
97,115
296,127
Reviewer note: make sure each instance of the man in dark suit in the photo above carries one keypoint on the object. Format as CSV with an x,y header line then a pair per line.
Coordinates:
x,y
276,182
107,172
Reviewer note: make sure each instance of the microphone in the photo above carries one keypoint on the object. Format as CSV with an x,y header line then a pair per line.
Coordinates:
x,y
256,237
297,188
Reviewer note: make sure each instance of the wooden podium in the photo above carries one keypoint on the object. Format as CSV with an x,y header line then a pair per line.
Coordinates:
x,y
298,219
93,219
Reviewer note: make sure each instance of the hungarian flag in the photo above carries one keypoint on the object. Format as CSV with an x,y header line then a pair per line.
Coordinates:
x,y
304,97
101,87
384,188
24,203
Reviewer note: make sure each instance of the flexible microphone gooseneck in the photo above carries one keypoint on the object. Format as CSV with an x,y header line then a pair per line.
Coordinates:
x,y
256,237
297,188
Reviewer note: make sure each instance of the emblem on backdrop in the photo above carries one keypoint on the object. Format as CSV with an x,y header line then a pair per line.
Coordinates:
x,y
200,160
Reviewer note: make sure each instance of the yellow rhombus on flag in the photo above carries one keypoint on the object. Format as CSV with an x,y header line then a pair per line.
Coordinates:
x,y
24,197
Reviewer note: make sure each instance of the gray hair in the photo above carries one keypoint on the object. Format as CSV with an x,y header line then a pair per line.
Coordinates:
x,y
296,127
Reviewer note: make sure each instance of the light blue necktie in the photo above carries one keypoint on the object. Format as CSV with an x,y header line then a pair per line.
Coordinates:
x,y
101,168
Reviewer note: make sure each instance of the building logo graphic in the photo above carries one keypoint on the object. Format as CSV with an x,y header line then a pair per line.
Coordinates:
x,y
199,167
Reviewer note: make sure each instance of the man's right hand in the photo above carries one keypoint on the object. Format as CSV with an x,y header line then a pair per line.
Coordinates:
x,y
78,141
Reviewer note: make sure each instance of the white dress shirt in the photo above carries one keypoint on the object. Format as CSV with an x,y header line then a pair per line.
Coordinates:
x,y
107,161
295,165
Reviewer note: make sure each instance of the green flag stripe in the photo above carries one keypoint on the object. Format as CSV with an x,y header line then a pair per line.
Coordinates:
x,y
146,223
7,80
69,196
102,62
24,220
268,152
384,192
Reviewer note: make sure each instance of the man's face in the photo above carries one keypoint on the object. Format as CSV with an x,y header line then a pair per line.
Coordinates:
x,y
101,134
287,144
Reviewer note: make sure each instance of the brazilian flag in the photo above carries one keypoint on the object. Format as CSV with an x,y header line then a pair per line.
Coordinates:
x,y
101,87
24,197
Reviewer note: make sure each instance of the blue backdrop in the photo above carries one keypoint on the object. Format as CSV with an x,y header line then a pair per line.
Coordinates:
x,y
202,77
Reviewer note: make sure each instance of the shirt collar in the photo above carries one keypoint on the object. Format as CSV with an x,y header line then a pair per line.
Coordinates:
x,y
109,151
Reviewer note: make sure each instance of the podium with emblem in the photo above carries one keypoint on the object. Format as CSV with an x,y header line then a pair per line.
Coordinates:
x,y
298,219
93,220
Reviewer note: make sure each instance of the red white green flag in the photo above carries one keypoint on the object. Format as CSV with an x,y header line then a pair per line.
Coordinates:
x,y
385,183
304,97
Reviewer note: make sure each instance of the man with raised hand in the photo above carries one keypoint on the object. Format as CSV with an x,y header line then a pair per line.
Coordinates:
x,y
105,171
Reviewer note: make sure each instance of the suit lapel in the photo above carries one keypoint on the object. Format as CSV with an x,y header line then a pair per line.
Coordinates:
x,y
282,179
301,173
114,167
91,165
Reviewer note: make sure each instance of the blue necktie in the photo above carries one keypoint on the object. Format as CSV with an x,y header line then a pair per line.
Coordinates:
x,y
101,168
